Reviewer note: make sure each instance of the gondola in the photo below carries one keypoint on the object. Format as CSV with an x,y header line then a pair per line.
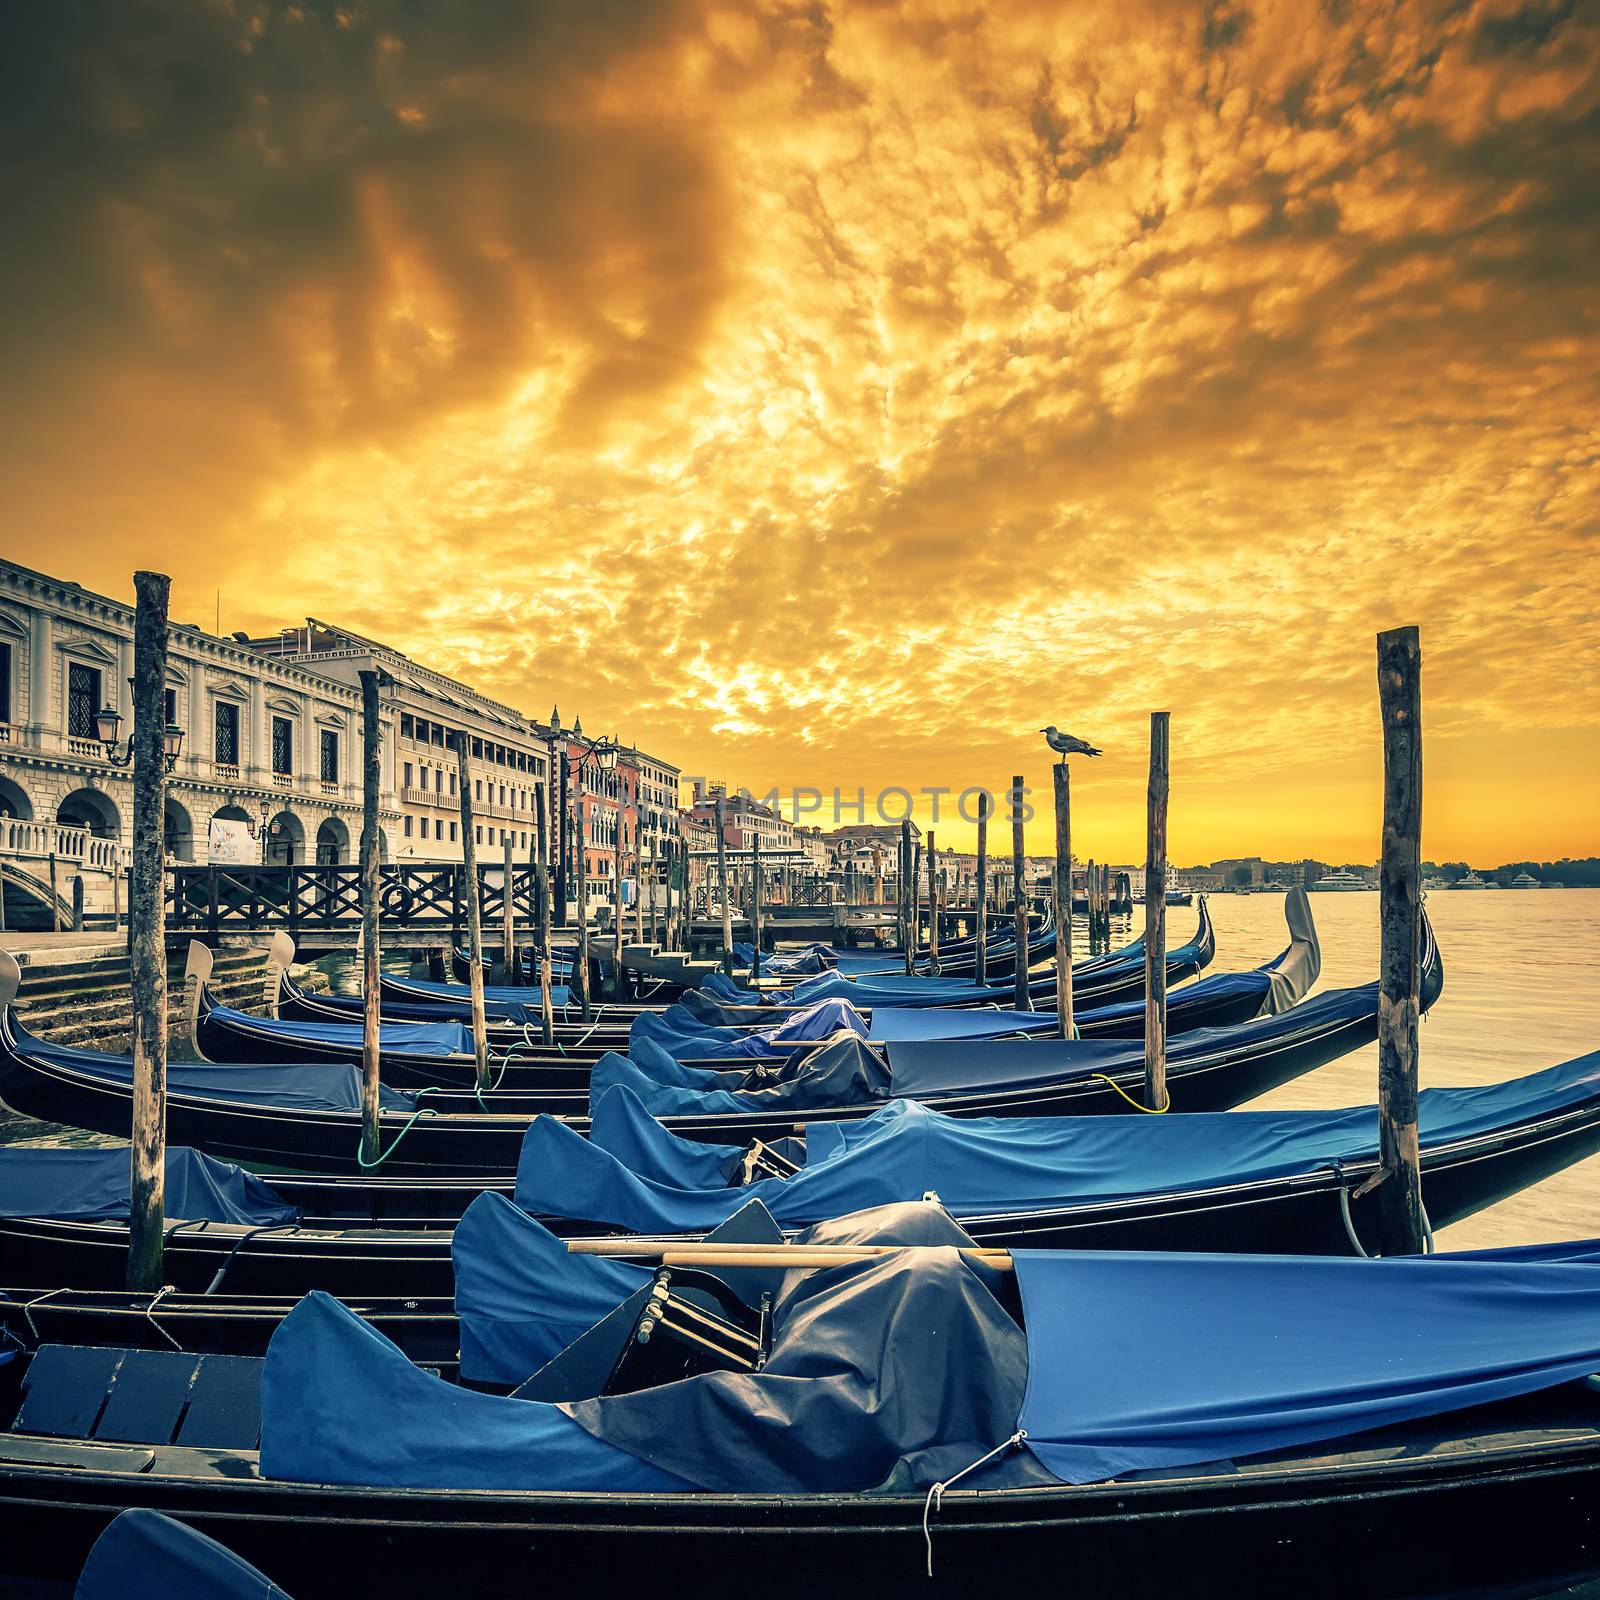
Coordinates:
x,y
307,1117
392,1236
994,1456
225,1034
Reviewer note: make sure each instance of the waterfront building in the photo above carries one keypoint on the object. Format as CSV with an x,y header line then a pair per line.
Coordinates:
x,y
422,711
270,745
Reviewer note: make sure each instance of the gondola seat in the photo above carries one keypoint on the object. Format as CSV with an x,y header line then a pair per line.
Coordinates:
x,y
151,1397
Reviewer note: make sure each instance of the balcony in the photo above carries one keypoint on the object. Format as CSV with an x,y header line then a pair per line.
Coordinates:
x,y
283,780
41,840
90,749
225,771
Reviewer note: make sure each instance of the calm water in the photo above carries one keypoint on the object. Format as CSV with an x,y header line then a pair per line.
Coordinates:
x,y
1521,992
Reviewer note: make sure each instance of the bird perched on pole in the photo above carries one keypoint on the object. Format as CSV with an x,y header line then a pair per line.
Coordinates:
x,y
1067,744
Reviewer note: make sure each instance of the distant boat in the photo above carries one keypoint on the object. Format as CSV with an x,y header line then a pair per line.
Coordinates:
x,y
1435,883
1341,883
1471,881
1526,880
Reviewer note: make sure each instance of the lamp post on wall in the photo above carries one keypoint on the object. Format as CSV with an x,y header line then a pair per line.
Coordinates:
x,y
107,726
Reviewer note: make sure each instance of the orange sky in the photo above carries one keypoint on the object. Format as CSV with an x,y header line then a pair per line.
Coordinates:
x,y
832,395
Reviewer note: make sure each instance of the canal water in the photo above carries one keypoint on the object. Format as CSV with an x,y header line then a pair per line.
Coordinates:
x,y
1521,992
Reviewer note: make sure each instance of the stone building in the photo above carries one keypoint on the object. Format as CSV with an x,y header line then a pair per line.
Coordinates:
x,y
271,745
507,757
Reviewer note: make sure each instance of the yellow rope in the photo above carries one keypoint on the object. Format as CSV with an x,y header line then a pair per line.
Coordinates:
x,y
1160,1112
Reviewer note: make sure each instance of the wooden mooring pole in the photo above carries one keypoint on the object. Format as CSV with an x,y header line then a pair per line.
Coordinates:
x,y
469,868
1063,899
541,891
914,906
726,888
981,932
933,904
1019,910
907,891
371,982
616,907
755,904
579,857
1402,1223
147,936
1155,917
508,925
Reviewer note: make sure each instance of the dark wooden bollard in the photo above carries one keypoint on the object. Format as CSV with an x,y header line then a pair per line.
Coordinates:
x,y
469,854
1019,871
371,986
1401,1222
726,890
981,932
541,890
1063,899
147,936
1155,916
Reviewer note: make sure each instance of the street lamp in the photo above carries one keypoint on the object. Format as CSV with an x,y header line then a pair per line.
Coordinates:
x,y
108,724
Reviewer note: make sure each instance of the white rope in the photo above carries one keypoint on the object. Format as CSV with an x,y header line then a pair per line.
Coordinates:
x,y
38,1300
149,1312
936,1493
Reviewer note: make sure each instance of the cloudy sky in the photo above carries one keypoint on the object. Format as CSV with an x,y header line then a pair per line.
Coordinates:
x,y
833,394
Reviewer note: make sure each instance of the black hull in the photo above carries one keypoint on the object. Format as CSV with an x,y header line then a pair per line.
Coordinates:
x,y
473,1142
1509,1508
1297,1214
457,1136
220,1324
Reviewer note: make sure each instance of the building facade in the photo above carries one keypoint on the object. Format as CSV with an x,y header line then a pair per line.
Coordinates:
x,y
423,710
272,745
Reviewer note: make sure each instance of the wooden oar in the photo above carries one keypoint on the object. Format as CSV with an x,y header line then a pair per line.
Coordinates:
x,y
781,1256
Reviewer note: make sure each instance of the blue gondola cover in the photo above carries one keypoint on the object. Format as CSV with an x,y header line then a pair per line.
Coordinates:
x,y
994,1164
92,1186
394,1038
297,1086
1196,1358
340,1403
146,1556
521,1297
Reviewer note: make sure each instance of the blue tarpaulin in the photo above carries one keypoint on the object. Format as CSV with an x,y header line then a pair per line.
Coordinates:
x,y
146,1556
502,1003
394,1038
92,1186
521,1296
1144,1359
898,989
301,1086
981,1165
687,1039
340,1403
622,1127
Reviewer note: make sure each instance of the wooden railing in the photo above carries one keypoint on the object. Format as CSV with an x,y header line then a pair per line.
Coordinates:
x,y
421,895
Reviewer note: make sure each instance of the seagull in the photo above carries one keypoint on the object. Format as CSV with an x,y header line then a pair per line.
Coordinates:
x,y
1067,744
